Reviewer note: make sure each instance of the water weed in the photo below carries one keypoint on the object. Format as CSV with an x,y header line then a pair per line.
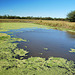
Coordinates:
x,y
45,48
72,50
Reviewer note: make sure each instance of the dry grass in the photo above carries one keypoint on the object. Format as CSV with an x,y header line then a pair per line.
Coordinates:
x,y
56,24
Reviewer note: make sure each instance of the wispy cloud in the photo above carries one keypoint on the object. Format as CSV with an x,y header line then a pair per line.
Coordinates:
x,y
11,10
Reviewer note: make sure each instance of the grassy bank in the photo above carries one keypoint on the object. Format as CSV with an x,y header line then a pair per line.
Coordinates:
x,y
60,25
9,26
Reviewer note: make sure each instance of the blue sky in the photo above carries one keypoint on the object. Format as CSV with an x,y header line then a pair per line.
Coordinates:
x,y
37,8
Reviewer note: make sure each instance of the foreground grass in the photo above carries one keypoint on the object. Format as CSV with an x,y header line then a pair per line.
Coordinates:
x,y
61,25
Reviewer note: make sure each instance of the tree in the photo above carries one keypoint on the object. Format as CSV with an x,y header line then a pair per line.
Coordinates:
x,y
71,16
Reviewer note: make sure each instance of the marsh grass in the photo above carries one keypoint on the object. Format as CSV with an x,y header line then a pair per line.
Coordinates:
x,y
61,25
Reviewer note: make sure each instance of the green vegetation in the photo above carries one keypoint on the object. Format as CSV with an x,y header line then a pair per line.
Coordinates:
x,y
20,52
71,16
13,62
45,48
30,17
72,50
25,46
3,36
41,53
9,26
25,23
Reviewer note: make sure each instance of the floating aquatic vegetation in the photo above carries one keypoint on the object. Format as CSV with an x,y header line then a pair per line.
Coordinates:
x,y
25,46
41,53
20,52
4,36
7,47
18,39
12,35
9,32
45,48
72,50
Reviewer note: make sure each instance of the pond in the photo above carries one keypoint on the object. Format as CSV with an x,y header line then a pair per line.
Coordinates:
x,y
43,42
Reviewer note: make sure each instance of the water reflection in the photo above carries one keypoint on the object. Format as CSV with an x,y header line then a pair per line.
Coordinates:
x,y
71,34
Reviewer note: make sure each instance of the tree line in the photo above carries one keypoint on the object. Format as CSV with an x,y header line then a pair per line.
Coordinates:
x,y
30,17
70,17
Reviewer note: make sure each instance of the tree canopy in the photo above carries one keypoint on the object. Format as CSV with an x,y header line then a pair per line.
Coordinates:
x,y
71,16
30,17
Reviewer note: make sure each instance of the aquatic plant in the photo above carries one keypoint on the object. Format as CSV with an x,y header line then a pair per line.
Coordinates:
x,y
9,33
41,53
25,46
45,48
20,52
72,50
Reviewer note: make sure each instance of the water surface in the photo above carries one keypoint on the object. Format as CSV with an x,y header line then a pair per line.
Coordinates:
x,y
57,43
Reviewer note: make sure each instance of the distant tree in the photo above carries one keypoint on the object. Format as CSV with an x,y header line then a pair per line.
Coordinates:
x,y
71,16
31,17
0,17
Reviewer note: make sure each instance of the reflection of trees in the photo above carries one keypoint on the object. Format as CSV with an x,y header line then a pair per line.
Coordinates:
x,y
71,34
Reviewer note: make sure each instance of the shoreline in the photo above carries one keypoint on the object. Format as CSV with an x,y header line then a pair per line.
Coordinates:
x,y
59,25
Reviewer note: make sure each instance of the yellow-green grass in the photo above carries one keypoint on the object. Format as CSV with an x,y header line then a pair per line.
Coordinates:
x,y
9,26
15,20
61,25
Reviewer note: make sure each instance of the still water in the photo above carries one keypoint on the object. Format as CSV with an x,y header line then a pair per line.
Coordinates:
x,y
46,43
